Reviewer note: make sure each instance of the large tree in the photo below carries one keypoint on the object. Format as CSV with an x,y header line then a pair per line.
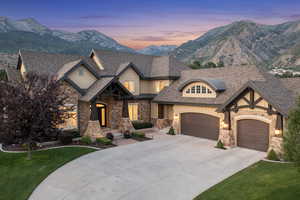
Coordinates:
x,y
32,110
292,136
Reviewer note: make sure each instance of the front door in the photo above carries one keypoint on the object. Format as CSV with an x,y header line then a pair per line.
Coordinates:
x,y
102,114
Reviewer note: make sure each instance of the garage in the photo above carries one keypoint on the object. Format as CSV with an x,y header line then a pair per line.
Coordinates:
x,y
200,125
253,134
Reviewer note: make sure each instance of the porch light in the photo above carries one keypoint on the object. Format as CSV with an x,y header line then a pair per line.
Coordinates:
x,y
176,116
278,132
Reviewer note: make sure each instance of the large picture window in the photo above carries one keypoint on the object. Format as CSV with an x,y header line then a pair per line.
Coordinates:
x,y
133,111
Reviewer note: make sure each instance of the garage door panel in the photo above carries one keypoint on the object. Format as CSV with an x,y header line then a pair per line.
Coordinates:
x,y
253,134
200,125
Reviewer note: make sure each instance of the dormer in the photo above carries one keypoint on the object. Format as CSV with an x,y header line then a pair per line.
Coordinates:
x,y
97,60
202,88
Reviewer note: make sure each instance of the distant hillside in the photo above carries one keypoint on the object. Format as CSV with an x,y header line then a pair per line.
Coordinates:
x,y
246,43
31,35
157,50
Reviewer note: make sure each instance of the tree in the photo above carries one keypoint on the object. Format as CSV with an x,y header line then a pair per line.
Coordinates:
x,y
210,65
32,110
220,64
292,136
196,65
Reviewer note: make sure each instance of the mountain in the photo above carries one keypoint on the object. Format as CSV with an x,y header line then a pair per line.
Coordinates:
x,y
246,43
30,34
157,50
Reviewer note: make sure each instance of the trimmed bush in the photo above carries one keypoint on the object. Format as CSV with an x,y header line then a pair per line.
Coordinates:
x,y
141,125
104,141
86,140
65,138
73,132
171,131
272,155
110,136
220,145
138,134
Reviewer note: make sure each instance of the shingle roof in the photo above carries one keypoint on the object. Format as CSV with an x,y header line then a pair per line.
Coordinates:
x,y
149,66
96,88
49,63
234,78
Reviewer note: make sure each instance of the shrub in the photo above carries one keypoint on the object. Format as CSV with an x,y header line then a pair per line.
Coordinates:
x,y
110,136
127,135
86,140
3,75
65,138
220,145
138,134
171,131
272,155
291,139
141,125
104,141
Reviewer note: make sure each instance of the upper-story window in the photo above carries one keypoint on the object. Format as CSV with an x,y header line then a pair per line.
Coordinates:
x,y
198,90
129,85
160,85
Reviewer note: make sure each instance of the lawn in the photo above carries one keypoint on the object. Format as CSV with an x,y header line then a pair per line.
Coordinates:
x,y
261,181
19,177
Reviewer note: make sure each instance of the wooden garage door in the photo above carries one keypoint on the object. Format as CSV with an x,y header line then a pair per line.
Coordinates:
x,y
200,125
253,134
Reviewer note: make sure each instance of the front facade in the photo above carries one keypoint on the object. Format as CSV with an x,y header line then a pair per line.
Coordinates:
x,y
241,106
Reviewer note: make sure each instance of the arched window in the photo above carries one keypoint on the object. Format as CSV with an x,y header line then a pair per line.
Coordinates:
x,y
199,89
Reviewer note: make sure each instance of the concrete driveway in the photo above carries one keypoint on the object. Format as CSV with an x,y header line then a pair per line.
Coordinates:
x,y
168,168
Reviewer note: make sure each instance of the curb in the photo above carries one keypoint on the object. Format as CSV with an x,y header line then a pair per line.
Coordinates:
x,y
45,149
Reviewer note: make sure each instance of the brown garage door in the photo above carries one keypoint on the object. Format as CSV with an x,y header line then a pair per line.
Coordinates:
x,y
200,125
253,134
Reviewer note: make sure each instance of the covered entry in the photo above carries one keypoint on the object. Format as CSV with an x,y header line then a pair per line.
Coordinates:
x,y
253,134
102,113
200,125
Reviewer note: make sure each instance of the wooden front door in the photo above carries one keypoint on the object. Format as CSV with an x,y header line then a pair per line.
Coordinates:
x,y
160,111
102,114
200,125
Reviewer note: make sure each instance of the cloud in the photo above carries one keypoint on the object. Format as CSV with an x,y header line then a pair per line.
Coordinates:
x,y
292,17
152,38
97,17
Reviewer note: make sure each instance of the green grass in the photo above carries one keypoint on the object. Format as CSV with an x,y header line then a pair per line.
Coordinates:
x,y
261,181
19,176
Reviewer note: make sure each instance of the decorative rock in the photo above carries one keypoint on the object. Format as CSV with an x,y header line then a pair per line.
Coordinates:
x,y
125,125
276,145
93,130
162,123
226,138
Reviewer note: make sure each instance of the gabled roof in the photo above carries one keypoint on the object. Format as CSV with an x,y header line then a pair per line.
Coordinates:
x,y
124,66
149,66
216,84
236,79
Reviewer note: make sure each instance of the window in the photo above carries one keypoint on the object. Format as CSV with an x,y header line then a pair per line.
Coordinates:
x,y
203,90
193,90
133,111
188,91
209,91
81,71
129,85
198,89
160,85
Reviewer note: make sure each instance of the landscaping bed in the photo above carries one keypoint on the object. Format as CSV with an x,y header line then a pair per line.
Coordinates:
x,y
139,136
19,176
263,180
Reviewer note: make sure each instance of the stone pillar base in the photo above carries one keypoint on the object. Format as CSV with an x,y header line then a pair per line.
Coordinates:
x,y
276,144
162,123
93,130
125,125
226,138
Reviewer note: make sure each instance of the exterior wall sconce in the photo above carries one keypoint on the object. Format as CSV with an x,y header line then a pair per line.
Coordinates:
x,y
176,116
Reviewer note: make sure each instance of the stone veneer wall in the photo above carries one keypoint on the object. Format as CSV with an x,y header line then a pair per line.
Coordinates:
x,y
71,93
144,109
84,114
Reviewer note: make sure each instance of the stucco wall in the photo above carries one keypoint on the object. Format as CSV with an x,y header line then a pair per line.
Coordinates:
x,y
179,109
82,77
151,86
131,75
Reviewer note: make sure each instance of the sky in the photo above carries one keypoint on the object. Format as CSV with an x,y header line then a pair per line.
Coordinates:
x,y
138,23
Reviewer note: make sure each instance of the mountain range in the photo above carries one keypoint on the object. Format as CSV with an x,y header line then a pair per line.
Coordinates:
x,y
246,43
239,43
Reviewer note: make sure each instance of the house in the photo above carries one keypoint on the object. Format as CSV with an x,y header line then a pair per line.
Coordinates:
x,y
241,106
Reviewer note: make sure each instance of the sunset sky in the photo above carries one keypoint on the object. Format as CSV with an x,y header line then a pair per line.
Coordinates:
x,y
138,23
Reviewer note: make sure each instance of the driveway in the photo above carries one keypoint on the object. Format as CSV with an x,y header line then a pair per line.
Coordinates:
x,y
169,168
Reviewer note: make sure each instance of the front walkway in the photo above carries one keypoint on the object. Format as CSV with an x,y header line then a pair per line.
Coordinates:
x,y
169,167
